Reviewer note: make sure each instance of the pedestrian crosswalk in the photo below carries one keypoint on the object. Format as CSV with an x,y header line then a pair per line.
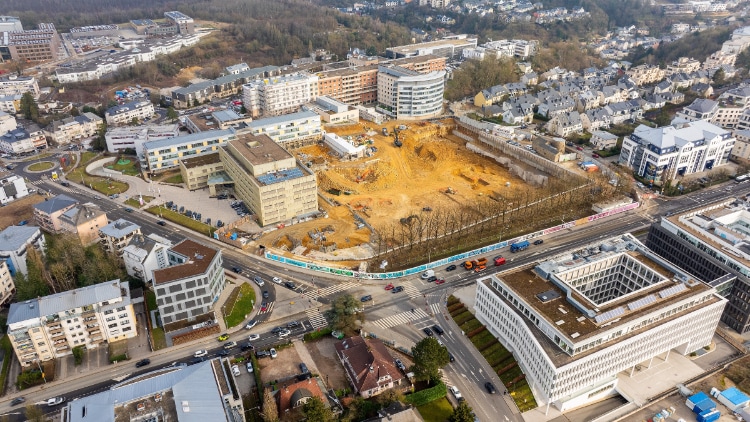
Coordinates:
x,y
412,291
402,318
435,308
313,293
317,320
268,310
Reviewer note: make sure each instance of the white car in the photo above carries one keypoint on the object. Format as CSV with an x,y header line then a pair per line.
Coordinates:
x,y
277,280
251,324
456,393
253,337
249,367
236,370
200,354
54,401
273,353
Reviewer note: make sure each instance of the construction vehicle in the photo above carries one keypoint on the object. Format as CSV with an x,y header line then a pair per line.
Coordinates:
x,y
519,246
481,262
396,141
385,131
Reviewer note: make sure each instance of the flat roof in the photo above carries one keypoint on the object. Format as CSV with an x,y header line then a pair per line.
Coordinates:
x,y
199,258
14,237
192,137
119,228
259,149
269,121
202,160
455,42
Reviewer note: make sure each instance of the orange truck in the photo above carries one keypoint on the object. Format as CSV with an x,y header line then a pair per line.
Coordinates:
x,y
481,262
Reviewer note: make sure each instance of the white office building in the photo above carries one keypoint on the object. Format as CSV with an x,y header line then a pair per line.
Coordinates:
x,y
664,153
408,95
166,153
578,319
290,130
279,95
133,137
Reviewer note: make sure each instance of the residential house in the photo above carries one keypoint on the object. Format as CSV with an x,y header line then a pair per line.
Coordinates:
x,y
603,140
74,129
741,149
663,86
595,119
47,214
145,254
588,100
565,124
295,395
117,234
12,188
397,412
126,113
84,220
490,96
368,366
530,78
14,244
622,111
703,90
554,106
645,74
672,97
683,65
699,109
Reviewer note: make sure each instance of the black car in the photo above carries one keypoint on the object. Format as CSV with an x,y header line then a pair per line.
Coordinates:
x,y
437,329
66,184
223,353
397,289
238,270
265,294
366,298
450,357
432,278
161,223
196,360
427,331
290,285
538,242
303,368
450,268
489,387
17,401
142,363
247,346
262,354
293,324
277,330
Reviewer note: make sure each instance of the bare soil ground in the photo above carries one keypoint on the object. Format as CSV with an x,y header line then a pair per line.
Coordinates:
x,y
19,210
285,365
324,355
394,182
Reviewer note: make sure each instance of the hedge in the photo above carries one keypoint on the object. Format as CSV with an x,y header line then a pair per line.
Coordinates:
x,y
427,395
455,306
476,331
452,299
314,335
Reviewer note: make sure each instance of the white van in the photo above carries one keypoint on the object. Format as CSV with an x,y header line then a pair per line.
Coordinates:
x,y
427,274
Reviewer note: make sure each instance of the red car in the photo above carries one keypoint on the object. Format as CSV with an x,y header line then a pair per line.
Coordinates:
x,y
439,281
263,307
595,155
389,286
579,148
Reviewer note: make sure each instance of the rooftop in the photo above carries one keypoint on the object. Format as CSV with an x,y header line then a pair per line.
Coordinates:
x,y
201,160
368,359
14,237
119,228
286,118
679,134
191,138
457,42
133,105
259,149
199,258
56,203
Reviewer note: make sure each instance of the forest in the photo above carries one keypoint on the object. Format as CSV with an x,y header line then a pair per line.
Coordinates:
x,y
697,45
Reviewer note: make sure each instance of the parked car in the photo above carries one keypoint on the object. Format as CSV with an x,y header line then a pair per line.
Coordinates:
x,y
273,354
595,155
54,401
262,354
290,285
427,331
456,393
489,387
193,361
400,365
432,278
236,370
143,362
276,280
200,353
439,281
389,286
450,268
17,401
303,368
366,298
249,367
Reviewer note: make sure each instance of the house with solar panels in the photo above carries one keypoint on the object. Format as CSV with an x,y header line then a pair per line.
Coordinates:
x,y
578,320
269,179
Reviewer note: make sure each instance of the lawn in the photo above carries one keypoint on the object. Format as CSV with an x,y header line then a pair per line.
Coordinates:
x,y
8,352
133,202
160,341
131,168
437,411
100,184
182,220
241,307
176,179
41,166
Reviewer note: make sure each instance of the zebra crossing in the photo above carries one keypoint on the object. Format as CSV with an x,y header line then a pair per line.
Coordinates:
x,y
402,318
268,310
317,320
412,291
313,293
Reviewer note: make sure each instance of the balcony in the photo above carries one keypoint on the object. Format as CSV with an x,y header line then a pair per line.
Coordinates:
x,y
62,348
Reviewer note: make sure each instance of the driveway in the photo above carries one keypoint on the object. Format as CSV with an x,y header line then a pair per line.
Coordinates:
x,y
324,355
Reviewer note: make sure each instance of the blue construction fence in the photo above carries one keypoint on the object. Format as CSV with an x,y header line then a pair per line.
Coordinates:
x,y
452,259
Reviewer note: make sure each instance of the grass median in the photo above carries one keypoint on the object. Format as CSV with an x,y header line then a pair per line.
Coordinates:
x,y
182,220
242,306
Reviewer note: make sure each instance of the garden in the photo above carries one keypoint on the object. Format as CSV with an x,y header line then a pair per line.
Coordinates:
x,y
239,305
499,358
100,184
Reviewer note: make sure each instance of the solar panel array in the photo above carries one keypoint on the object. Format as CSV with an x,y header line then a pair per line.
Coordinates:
x,y
614,313
672,290
641,302
271,178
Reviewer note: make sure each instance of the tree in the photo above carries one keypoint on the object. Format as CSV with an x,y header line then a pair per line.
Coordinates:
x,y
344,315
29,107
34,413
100,142
429,356
463,413
134,121
74,112
89,109
315,411
270,412
172,114
78,355
371,51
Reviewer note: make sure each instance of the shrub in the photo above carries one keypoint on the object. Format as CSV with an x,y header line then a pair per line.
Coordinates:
x,y
118,358
426,396
455,307
452,299
476,331
314,335
507,368
470,325
78,355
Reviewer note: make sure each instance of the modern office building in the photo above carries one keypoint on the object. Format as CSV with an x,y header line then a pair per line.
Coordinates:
x,y
203,392
290,130
710,242
166,154
50,327
279,94
133,137
269,180
145,254
116,235
578,319
125,113
333,111
14,244
41,44
449,47
188,288
74,129
10,24
409,95
664,153
47,214
19,85
203,171
183,22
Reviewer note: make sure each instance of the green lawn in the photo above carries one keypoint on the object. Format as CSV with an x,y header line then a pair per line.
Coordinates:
x,y
100,184
150,300
182,220
176,179
131,169
133,202
242,306
88,156
41,166
160,341
437,411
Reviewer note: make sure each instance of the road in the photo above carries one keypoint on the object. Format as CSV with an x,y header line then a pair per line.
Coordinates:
x,y
469,372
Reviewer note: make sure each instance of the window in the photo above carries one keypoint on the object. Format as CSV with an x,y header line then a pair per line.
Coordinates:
x,y
126,322
112,325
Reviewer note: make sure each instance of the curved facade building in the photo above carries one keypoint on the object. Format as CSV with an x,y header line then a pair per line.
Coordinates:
x,y
408,95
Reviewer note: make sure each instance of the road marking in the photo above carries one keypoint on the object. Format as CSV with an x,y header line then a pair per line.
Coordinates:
x,y
402,318
327,291
317,320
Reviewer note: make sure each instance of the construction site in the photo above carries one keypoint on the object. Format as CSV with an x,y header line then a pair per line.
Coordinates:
x,y
416,170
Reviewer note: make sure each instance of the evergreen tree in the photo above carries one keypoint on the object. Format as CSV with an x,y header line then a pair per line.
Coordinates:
x,y
463,413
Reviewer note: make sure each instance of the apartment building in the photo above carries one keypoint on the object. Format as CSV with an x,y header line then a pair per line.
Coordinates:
x,y
204,391
665,153
409,95
290,130
269,180
133,137
189,286
21,141
50,327
166,153
279,94
14,244
84,221
203,171
7,287
183,23
449,47
47,214
578,319
709,241
19,85
682,65
12,188
10,103
116,235
221,87
645,74
34,45
74,129
145,254
741,147
125,113
498,49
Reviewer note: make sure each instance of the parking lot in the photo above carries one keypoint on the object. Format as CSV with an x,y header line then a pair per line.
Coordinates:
x,y
284,366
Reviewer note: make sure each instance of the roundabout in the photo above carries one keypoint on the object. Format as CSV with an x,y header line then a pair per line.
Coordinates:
x,y
41,167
